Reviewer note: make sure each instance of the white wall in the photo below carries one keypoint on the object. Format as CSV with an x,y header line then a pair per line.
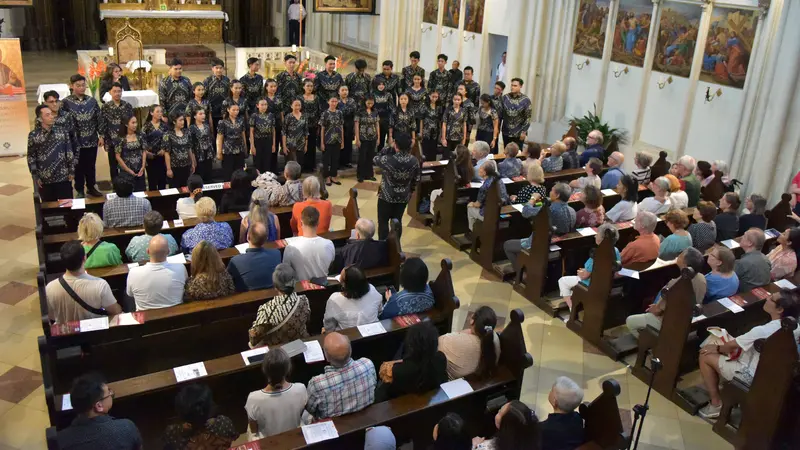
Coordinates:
x,y
495,20
583,85
621,107
713,128
361,31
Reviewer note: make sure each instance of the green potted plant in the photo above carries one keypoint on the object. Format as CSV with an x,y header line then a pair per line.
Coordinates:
x,y
612,137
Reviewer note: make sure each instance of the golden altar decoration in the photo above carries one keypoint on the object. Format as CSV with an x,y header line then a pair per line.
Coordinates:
x,y
163,22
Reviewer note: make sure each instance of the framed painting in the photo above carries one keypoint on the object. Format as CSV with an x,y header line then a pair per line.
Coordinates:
x,y
345,6
452,13
430,11
631,32
731,33
590,34
677,38
473,15
16,3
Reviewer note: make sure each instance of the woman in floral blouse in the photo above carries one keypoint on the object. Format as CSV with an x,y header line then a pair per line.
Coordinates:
x,y
202,145
430,124
153,130
219,234
469,107
199,427
367,132
262,136
402,121
593,213
295,133
416,97
284,317
178,154
209,278
784,257
454,125
132,153
230,140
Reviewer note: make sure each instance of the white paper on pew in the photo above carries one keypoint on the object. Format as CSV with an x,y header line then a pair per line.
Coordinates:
x,y
586,231
785,284
554,248
165,225
629,273
213,186
177,223
140,194
444,162
242,248
66,402
660,263
732,307
475,184
456,388
133,265
730,243
490,156
256,351
320,431
371,329
189,372
428,171
78,203
353,233
125,319
609,192
180,258
111,196
698,318
244,214
171,191
506,180
313,352
100,323
518,206
336,278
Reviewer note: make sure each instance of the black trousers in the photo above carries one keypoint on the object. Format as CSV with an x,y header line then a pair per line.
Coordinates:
x,y
451,145
113,167
508,139
330,160
386,212
273,162
137,182
55,191
430,148
204,169
85,169
156,173
486,136
347,152
179,176
309,160
230,163
263,158
294,32
365,155
384,133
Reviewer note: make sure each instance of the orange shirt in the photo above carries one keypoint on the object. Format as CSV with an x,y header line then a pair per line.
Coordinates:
x,y
325,209
643,249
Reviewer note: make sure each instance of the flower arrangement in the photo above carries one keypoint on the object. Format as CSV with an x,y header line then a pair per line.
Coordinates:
x,y
96,70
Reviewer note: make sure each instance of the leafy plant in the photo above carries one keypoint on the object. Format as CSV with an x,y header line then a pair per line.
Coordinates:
x,y
592,121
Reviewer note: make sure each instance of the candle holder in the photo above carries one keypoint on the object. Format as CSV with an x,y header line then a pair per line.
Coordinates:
x,y
447,33
424,28
711,97
469,38
618,73
663,82
580,66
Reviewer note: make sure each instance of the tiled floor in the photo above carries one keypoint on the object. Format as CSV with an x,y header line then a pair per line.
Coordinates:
x,y
556,350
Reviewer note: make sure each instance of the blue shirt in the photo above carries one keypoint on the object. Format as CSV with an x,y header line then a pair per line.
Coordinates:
x,y
407,302
611,178
718,287
253,269
595,151
219,234
673,245
562,217
589,265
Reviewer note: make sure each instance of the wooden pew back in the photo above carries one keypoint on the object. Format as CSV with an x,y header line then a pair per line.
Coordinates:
x,y
593,301
602,422
777,217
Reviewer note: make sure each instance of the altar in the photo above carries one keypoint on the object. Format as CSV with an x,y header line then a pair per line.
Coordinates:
x,y
162,23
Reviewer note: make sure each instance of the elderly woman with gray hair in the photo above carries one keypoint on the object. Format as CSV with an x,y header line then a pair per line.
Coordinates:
x,y
566,283
660,202
489,175
282,318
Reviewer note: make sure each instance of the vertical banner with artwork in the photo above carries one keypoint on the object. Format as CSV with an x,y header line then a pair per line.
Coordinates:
x,y
452,13
473,15
677,38
731,33
590,35
631,32
14,124
430,11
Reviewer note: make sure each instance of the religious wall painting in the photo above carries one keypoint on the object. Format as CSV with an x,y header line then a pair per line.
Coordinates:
x,y
452,13
631,32
677,38
345,6
430,11
731,33
590,34
473,15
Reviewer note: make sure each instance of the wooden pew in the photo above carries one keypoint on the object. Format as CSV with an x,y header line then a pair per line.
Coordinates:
x,y
778,216
602,422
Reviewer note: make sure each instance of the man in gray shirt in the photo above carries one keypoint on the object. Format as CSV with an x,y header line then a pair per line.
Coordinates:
x,y
753,267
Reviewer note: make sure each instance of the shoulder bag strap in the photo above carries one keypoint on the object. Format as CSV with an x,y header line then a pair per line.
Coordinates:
x,y
79,300
91,250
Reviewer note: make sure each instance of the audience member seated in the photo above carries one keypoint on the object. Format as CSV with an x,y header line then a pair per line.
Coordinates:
x,y
641,173
489,176
480,153
93,428
259,212
137,247
311,195
721,166
645,247
284,317
379,438
309,255
157,284
209,279
552,162
450,434
753,268
563,428
626,208
531,151
286,194
198,427
691,257
535,177
473,350
422,368
517,427
782,258
756,206
253,269
679,239
728,220
358,303
571,158
685,170
561,218
566,283
659,203
594,147
279,406
592,178
125,209
703,173
615,173
237,198
704,230
677,196
363,251
93,292
464,172
346,386
416,295
715,355
98,253
185,205
593,212
219,234
510,167
722,281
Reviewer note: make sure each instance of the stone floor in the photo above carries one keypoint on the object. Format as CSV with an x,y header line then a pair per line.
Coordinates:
x,y
556,350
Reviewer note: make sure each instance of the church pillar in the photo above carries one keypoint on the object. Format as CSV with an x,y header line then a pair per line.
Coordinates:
x,y
399,31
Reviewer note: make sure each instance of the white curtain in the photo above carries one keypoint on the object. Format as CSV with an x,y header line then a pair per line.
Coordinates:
x,y
399,31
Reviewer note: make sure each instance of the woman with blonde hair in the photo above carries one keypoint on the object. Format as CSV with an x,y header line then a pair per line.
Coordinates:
x,y
312,196
259,212
98,253
219,234
209,279
535,176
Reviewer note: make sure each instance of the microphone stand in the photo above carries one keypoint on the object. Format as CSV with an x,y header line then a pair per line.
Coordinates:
x,y
640,411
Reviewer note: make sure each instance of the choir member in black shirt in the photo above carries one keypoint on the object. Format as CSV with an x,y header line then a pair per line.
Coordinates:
x,y
367,132
348,107
218,87
111,117
154,129
178,154
331,125
202,137
131,153
262,136
231,141
310,107
430,125
253,84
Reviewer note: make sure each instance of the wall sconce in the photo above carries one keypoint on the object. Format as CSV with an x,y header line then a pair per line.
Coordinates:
x,y
710,97
469,38
424,28
583,64
447,33
663,82
618,73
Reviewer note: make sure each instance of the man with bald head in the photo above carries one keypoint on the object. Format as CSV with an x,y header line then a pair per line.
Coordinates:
x,y
346,386
753,268
594,147
253,269
157,284
570,157
361,250
615,172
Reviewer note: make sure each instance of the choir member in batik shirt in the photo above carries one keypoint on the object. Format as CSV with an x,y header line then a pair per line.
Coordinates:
x,y
86,114
175,89
290,85
411,70
178,154
63,118
359,83
441,80
516,113
392,82
111,116
403,121
198,101
262,137
231,141
473,88
153,131
253,84
469,107
454,125
218,87
310,107
417,96
295,136
384,105
327,82
131,153
274,104
202,136
50,157
331,125
430,125
348,107
367,132
488,123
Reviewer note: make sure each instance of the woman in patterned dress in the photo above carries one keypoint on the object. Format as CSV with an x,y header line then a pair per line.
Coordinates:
x,y
384,105
416,97
274,105
331,130
236,95
295,132
262,136
403,121
131,152
202,144
488,123
209,278
454,125
367,132
178,154
230,140
199,102
310,108
348,106
469,107
430,124
282,318
153,131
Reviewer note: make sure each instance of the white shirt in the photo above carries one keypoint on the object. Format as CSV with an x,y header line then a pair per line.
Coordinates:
x,y
342,312
157,285
276,412
679,199
185,208
309,257
501,72
623,211
295,10
593,180
654,206
749,355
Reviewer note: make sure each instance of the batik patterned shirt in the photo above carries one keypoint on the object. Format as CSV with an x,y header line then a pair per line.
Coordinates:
x,y
179,148
486,119
274,106
441,81
202,145
333,122
348,110
131,151
219,234
471,110
172,92
262,124
242,102
473,91
408,77
290,86
232,131
384,103
253,90
391,83
454,123
310,110
407,302
516,114
402,122
193,104
86,115
296,131
483,192
416,100
359,85
153,135
217,90
401,172
111,117
327,86
368,126
50,155
431,121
